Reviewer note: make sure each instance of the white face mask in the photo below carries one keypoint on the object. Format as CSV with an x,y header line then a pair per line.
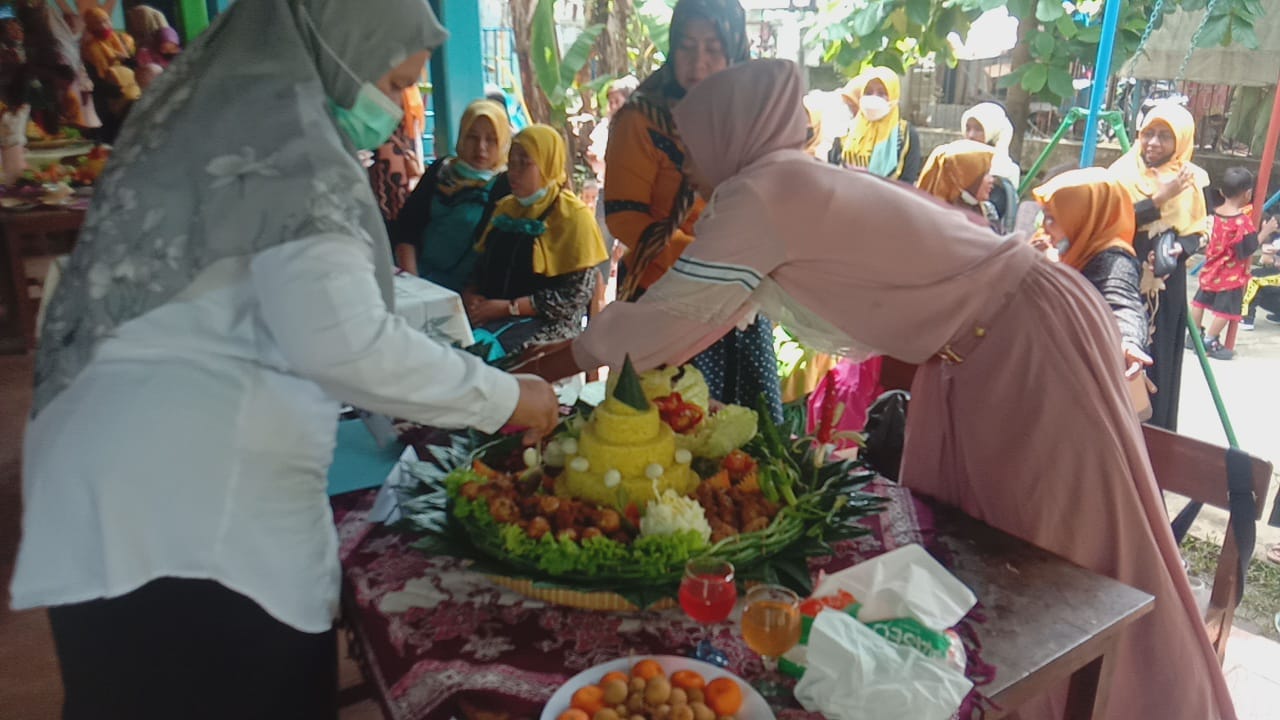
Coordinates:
x,y
874,107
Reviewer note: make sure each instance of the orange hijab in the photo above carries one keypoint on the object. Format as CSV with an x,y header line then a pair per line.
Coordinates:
x,y
1094,210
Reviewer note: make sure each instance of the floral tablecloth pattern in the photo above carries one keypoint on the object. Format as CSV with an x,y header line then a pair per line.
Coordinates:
x,y
429,633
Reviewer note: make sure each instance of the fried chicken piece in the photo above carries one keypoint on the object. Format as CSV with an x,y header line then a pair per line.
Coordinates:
x,y
503,509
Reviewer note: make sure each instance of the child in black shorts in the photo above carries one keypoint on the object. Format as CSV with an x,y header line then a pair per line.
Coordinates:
x,y
1232,243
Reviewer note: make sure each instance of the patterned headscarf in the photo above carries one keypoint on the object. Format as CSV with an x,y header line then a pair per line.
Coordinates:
x,y
658,94
191,183
1093,209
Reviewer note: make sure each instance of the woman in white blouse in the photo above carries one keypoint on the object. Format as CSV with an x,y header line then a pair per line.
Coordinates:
x,y
231,286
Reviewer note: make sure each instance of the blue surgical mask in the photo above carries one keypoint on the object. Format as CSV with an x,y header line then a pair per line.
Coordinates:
x,y
369,122
467,172
532,199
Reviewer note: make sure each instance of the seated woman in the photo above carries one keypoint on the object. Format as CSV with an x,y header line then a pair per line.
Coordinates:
x,y
1090,213
109,57
538,256
959,173
880,141
435,233
988,123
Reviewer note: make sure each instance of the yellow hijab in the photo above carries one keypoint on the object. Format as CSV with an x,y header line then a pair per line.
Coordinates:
x,y
954,168
501,126
1093,209
1186,212
572,240
866,134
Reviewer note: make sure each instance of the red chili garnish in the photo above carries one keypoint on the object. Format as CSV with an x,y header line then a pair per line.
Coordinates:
x,y
738,463
632,514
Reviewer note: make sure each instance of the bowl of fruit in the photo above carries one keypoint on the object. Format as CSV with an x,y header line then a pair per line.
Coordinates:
x,y
661,687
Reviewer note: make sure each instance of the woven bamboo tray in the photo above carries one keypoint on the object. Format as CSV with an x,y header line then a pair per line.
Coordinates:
x,y
599,601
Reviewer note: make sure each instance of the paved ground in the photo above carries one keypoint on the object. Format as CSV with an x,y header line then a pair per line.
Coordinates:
x,y
1250,388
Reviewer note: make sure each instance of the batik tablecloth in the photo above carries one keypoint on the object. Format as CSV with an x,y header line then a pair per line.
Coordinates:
x,y
428,633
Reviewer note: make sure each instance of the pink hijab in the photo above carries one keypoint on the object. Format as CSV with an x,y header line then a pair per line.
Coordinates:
x,y
724,126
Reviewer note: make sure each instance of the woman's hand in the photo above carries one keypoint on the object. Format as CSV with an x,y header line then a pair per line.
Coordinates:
x,y
482,310
537,410
1170,189
1269,227
552,361
1134,361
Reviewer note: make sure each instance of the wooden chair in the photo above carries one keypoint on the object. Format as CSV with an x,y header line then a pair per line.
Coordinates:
x,y
1198,470
26,234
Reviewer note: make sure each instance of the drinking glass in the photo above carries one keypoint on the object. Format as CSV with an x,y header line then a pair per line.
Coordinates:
x,y
770,627
708,594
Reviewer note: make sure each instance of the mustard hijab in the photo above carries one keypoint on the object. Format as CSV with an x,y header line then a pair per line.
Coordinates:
x,y
955,168
1093,209
571,240
874,144
501,127
1186,212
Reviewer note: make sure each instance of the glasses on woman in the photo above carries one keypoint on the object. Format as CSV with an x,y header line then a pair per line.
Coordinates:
x,y
770,627
708,594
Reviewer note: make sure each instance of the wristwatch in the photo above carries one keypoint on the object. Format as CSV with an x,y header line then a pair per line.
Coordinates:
x,y
514,308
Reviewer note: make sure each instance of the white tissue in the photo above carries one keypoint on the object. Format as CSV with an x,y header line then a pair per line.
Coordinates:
x,y
906,582
854,674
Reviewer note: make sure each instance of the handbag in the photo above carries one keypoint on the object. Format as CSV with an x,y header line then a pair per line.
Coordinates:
x,y
1165,261
1140,394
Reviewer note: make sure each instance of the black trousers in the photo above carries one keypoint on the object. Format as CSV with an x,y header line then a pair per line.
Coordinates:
x,y
190,649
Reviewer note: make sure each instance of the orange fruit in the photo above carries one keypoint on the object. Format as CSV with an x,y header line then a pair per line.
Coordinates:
x,y
723,696
615,675
573,714
589,699
688,680
647,669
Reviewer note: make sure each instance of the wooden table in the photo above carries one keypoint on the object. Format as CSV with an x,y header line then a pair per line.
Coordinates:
x,y
1047,620
53,232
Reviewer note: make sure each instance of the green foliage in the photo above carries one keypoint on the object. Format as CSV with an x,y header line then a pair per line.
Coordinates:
x,y
556,74
897,33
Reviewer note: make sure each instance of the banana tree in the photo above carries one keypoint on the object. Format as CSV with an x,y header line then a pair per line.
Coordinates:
x,y
555,74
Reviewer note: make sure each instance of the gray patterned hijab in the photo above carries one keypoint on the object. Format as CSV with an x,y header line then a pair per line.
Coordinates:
x,y
232,151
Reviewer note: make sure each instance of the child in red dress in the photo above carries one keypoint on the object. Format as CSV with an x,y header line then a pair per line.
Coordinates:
x,y
1232,243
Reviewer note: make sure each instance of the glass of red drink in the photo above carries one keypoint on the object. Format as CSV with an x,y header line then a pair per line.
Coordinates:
x,y
707,594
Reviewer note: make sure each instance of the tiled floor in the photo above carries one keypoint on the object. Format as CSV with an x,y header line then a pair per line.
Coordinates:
x,y
29,685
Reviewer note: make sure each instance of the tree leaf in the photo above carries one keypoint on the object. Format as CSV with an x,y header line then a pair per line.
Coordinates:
x,y
1245,34
1035,77
1012,78
1089,35
544,50
866,20
1217,31
918,11
1060,83
1042,45
1048,11
1021,8
578,54
898,21
1067,27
